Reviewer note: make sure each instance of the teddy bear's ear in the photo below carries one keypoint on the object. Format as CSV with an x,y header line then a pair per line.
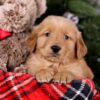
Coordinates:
x,y
41,7
1,2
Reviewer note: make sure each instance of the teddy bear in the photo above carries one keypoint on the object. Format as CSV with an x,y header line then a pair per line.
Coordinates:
x,y
18,18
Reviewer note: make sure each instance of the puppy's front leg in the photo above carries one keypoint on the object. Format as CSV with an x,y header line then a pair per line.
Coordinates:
x,y
45,75
63,77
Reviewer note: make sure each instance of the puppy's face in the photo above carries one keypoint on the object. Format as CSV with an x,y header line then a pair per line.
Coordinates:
x,y
57,39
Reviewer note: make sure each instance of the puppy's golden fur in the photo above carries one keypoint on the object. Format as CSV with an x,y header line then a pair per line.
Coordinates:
x,y
63,66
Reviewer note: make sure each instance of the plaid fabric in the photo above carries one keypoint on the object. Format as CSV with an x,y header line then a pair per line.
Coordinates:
x,y
97,96
18,86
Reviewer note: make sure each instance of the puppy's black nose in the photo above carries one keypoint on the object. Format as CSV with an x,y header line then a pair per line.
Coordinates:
x,y
55,48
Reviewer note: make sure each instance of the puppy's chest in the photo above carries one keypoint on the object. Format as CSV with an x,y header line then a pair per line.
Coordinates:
x,y
43,63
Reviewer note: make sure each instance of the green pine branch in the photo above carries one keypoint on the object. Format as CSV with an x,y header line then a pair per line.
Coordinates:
x,y
81,8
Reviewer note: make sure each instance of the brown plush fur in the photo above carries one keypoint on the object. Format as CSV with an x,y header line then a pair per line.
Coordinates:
x,y
66,65
17,17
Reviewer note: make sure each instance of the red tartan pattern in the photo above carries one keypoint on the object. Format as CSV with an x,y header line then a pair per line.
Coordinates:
x,y
97,96
18,86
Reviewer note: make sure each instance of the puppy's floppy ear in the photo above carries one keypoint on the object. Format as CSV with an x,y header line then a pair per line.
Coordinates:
x,y
81,48
31,41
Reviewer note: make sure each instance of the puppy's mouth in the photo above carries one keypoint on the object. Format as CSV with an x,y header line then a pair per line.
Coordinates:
x,y
53,57
55,54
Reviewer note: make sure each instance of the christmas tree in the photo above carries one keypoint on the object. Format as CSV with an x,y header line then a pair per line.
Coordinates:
x,y
88,12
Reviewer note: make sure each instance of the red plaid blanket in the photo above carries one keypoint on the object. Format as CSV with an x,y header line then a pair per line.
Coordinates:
x,y
18,86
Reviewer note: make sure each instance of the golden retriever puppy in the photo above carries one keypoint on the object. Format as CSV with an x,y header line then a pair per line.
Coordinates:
x,y
57,50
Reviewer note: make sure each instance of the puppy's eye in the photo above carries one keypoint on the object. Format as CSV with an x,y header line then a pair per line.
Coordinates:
x,y
66,37
47,34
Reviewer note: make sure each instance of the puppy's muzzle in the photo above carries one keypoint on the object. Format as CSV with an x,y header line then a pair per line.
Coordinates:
x,y
55,49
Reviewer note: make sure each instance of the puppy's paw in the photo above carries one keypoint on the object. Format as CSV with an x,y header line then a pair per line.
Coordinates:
x,y
63,77
44,75
21,69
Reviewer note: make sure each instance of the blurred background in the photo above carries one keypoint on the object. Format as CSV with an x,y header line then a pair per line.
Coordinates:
x,y
86,14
